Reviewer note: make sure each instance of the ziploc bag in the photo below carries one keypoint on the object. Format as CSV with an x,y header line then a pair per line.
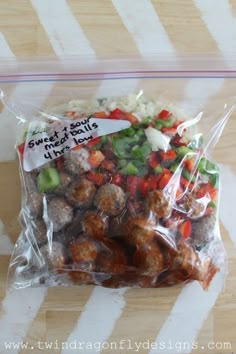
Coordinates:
x,y
118,184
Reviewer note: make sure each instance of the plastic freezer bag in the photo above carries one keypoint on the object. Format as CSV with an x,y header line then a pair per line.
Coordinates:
x,y
118,184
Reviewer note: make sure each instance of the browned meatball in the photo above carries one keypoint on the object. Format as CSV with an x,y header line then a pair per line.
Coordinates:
x,y
157,203
83,250
140,230
80,277
39,230
203,230
76,161
81,193
149,259
35,204
60,213
192,207
94,224
65,180
54,255
185,261
112,258
110,199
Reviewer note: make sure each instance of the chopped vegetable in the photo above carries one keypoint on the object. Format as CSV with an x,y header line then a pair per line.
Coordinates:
x,y
169,155
164,180
158,169
21,149
95,158
131,118
157,139
144,188
185,229
189,164
186,184
132,186
108,165
153,161
129,169
183,150
140,152
187,175
177,141
96,177
169,131
206,189
117,179
164,114
48,179
117,114
100,115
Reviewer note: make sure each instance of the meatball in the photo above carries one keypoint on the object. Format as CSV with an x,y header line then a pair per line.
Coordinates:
x,y
149,259
60,214
94,224
112,258
81,193
157,203
65,180
29,181
185,262
203,230
83,252
54,255
110,199
39,230
80,277
76,161
192,207
140,230
35,204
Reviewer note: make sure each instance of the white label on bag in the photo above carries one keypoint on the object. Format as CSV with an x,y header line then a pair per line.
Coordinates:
x,y
46,142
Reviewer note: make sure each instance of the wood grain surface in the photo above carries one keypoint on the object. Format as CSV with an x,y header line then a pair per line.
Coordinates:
x,y
98,28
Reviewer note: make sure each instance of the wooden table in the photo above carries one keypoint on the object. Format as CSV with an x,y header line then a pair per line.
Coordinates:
x,y
91,27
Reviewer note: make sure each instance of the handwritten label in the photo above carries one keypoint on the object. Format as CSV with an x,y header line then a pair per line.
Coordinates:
x,y
46,142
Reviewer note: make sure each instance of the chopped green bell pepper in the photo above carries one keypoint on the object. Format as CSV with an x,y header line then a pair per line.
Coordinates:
x,y
48,179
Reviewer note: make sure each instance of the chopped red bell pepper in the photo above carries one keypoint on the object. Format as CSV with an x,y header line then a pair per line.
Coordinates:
x,y
117,114
164,114
185,183
117,179
95,158
77,147
100,115
177,123
93,142
152,182
70,113
177,141
164,180
189,165
132,186
144,188
21,148
167,156
185,229
108,165
169,131
131,118
96,177
153,161
205,189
